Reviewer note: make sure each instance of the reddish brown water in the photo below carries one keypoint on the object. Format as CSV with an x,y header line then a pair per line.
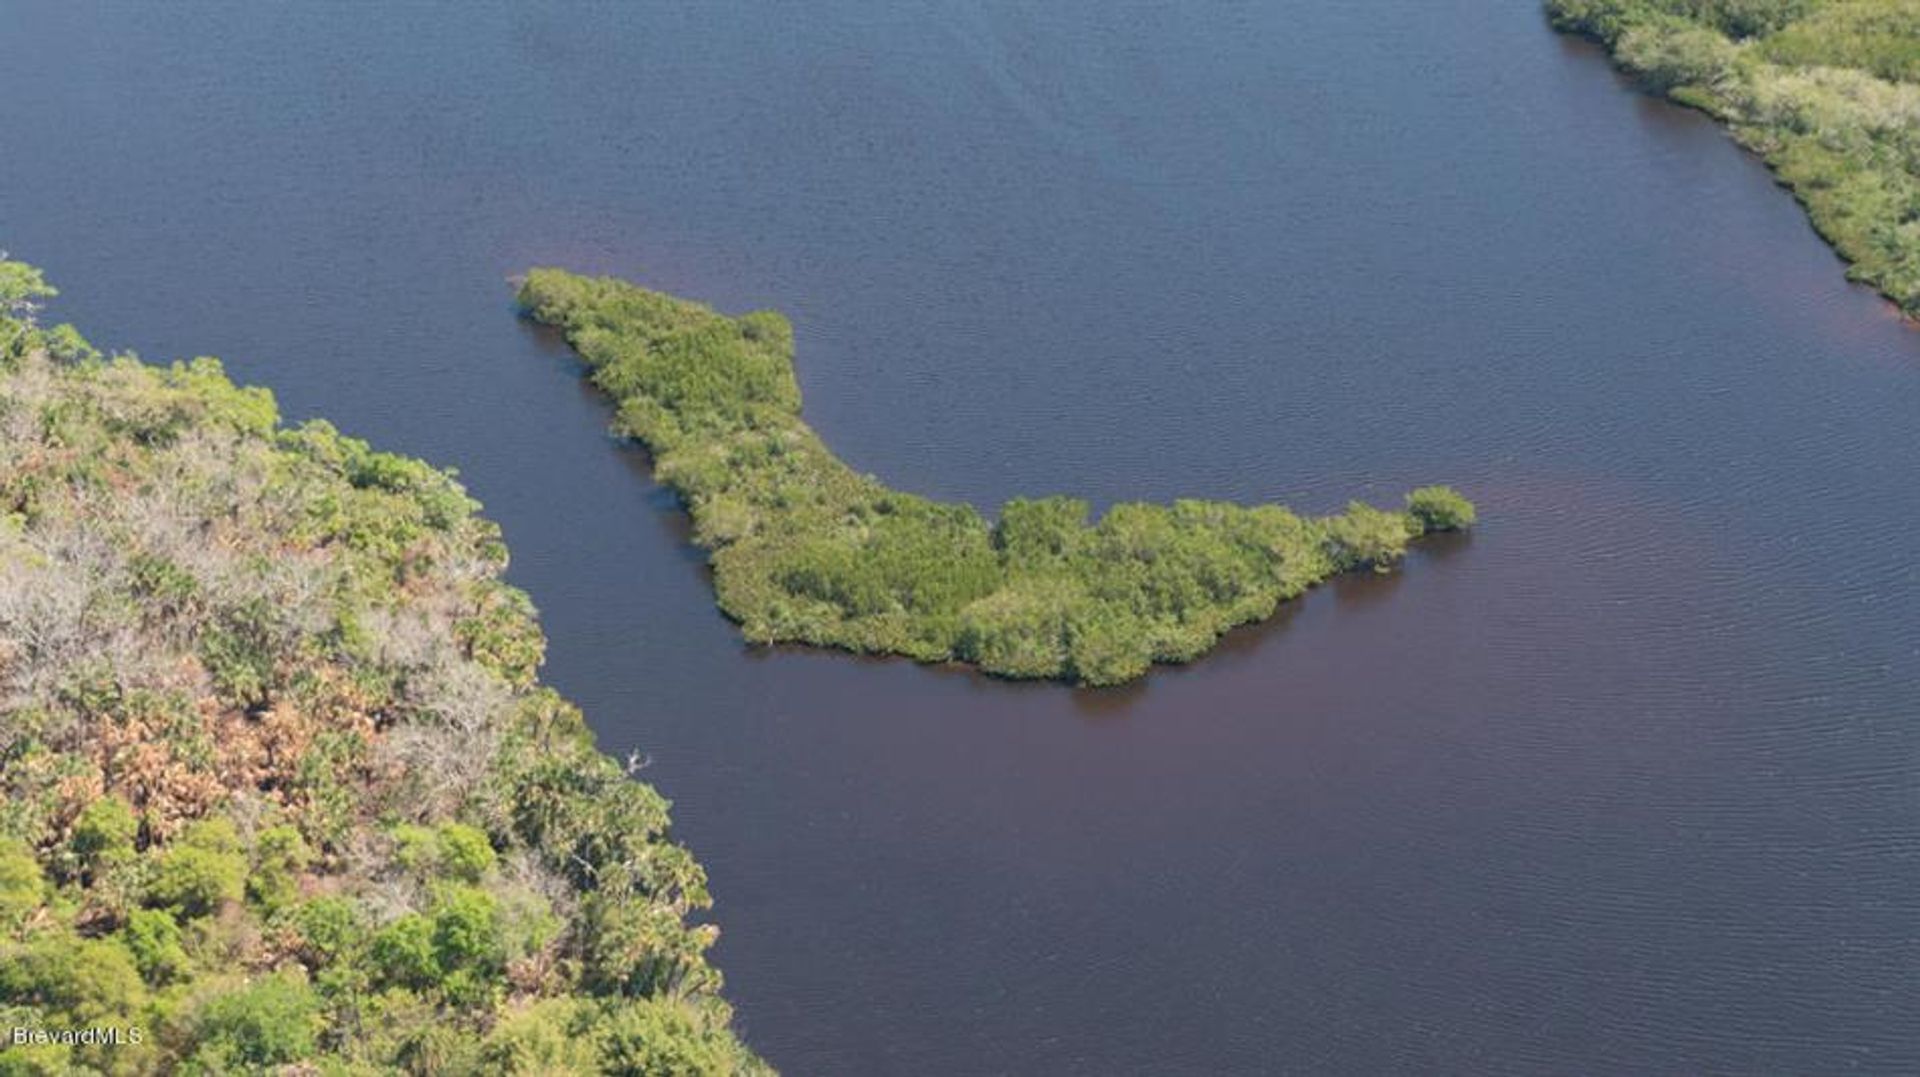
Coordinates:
x,y
1626,782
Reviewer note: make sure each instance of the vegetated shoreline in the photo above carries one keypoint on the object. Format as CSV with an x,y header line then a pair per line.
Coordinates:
x,y
279,785
806,550
1825,92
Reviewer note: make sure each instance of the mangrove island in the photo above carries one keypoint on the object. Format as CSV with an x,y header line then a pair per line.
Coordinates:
x,y
805,549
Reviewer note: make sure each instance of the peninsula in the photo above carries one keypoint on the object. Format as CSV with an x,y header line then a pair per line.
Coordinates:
x,y
280,789
805,549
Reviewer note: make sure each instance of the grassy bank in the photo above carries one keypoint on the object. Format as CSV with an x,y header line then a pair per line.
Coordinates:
x,y
805,549
1827,91
278,781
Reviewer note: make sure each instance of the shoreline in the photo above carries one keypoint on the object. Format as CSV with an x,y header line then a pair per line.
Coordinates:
x,y
1762,105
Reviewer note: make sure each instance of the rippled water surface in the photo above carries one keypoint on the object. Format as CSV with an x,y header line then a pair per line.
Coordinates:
x,y
1626,782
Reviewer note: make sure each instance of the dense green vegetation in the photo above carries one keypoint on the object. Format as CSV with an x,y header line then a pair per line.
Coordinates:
x,y
278,783
1827,91
806,549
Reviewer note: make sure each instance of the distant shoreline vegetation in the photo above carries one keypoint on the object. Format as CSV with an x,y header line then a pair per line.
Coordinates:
x,y
807,550
1826,91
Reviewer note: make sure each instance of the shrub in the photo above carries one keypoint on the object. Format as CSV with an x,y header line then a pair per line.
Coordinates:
x,y
201,871
272,1022
240,651
161,585
1439,508
402,953
1020,632
103,835
416,848
80,980
1106,650
1745,18
1665,58
663,1038
465,852
504,637
1608,20
466,932
21,288
427,1047
152,936
1366,538
280,855
22,887
539,1040
329,927
65,343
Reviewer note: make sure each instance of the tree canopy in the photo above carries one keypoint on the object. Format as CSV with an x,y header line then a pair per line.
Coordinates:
x,y
278,780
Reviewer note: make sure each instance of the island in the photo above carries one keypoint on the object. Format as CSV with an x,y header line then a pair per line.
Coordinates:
x,y
804,549
1827,92
280,789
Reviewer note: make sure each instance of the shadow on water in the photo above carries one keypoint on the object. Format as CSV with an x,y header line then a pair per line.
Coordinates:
x,y
1098,706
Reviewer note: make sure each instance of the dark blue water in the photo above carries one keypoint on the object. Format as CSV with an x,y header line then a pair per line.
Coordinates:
x,y
1627,782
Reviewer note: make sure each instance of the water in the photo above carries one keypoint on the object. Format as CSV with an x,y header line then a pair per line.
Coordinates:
x,y
1626,782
